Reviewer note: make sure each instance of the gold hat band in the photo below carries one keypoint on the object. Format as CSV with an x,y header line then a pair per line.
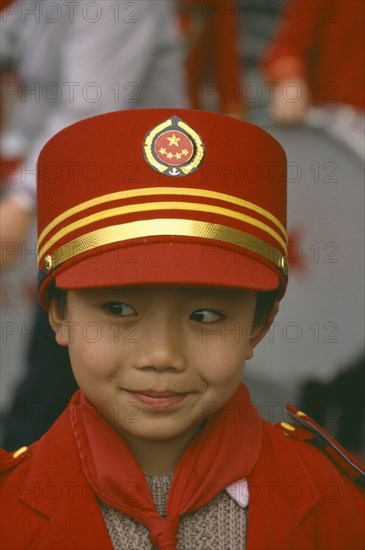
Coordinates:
x,y
153,191
164,227
155,206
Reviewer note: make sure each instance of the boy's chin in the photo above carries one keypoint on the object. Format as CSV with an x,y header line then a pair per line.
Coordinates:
x,y
159,431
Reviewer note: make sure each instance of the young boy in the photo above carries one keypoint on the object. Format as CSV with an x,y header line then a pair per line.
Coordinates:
x,y
162,250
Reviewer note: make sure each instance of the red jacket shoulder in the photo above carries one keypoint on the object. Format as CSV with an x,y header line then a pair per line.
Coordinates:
x,y
297,492
301,427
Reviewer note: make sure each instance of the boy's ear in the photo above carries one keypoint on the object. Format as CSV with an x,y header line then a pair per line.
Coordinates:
x,y
56,317
260,330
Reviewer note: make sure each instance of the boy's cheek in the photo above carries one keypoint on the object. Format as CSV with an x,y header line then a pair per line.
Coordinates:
x,y
222,335
80,333
223,374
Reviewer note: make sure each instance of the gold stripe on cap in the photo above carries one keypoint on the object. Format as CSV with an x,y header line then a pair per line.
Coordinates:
x,y
151,191
166,227
152,206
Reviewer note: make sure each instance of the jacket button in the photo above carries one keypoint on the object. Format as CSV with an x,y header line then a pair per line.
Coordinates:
x,y
20,452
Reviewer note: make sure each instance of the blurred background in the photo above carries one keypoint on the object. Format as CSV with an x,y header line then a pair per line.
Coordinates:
x,y
295,68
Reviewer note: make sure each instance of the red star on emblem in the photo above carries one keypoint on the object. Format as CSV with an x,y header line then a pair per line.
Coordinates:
x,y
174,148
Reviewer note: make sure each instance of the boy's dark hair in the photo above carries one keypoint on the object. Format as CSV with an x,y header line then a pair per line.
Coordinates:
x,y
60,295
264,303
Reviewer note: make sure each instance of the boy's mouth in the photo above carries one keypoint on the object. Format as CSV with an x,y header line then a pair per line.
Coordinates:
x,y
158,400
155,393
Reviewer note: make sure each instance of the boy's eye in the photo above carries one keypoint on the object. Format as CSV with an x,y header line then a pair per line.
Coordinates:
x,y
119,308
206,316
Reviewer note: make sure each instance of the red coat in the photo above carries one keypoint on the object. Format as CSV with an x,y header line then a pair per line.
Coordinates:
x,y
298,498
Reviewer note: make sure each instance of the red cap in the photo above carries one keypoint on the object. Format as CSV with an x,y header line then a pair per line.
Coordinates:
x,y
161,196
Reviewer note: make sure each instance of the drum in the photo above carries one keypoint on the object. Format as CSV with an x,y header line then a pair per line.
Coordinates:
x,y
320,326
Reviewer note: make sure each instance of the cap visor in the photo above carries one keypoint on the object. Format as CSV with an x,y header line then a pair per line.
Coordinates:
x,y
169,263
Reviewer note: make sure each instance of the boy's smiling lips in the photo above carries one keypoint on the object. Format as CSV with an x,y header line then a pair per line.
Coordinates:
x,y
158,399
157,393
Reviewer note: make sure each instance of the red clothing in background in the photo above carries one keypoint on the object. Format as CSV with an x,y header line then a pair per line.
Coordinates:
x,y
211,29
322,42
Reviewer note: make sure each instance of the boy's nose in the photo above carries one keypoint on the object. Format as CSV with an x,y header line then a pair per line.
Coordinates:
x,y
161,347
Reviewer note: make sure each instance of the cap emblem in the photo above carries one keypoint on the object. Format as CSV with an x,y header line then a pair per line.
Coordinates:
x,y
173,148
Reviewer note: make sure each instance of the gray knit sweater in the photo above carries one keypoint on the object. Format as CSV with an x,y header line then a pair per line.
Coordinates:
x,y
220,525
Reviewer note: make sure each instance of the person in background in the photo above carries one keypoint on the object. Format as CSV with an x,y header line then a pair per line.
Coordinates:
x,y
316,58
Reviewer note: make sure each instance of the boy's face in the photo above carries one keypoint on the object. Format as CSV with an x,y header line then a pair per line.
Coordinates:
x,y
155,361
